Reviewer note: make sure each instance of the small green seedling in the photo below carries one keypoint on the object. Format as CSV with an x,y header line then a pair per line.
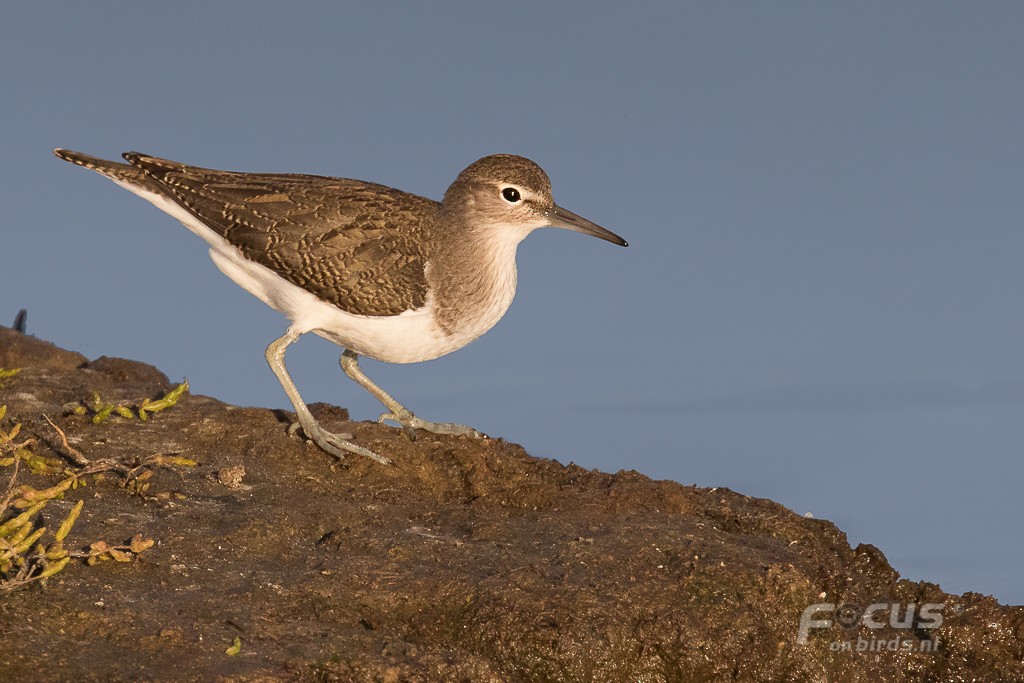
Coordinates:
x,y
103,410
235,648
7,374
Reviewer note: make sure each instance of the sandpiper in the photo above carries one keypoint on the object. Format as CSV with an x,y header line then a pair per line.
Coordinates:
x,y
380,272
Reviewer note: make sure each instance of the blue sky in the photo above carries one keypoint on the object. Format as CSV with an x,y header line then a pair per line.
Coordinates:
x,y
821,300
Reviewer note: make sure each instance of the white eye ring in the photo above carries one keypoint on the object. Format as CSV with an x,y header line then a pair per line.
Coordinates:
x,y
511,195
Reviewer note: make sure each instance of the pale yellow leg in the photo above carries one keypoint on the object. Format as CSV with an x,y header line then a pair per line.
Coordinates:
x,y
397,412
335,444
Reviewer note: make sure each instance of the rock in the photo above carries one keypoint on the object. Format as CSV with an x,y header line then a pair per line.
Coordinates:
x,y
17,350
467,560
127,370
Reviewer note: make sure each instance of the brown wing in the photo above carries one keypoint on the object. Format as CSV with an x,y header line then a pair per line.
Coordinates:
x,y
356,245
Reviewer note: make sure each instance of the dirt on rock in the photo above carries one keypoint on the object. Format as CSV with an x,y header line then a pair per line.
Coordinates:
x,y
468,560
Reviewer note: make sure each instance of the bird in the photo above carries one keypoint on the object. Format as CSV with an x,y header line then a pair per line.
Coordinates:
x,y
380,272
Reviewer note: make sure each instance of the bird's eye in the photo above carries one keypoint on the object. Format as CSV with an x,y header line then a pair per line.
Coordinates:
x,y
510,194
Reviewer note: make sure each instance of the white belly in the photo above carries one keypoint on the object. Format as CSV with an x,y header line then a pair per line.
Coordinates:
x,y
410,337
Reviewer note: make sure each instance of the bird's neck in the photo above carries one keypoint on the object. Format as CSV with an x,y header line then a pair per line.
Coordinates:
x,y
474,274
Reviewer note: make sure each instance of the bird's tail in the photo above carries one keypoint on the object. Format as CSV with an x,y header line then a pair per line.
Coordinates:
x,y
112,169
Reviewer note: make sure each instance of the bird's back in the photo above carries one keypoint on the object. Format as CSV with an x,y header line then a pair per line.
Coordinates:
x,y
357,245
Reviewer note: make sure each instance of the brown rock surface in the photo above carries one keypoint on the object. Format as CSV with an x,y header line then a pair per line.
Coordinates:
x,y
466,561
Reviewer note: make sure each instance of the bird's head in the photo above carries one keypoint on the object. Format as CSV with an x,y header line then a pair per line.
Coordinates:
x,y
511,193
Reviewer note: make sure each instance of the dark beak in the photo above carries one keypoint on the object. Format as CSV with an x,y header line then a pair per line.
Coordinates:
x,y
563,218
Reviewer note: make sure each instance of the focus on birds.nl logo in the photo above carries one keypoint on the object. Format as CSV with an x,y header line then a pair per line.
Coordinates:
x,y
915,619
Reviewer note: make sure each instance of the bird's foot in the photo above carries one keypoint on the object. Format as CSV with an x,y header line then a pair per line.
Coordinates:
x,y
410,423
337,445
